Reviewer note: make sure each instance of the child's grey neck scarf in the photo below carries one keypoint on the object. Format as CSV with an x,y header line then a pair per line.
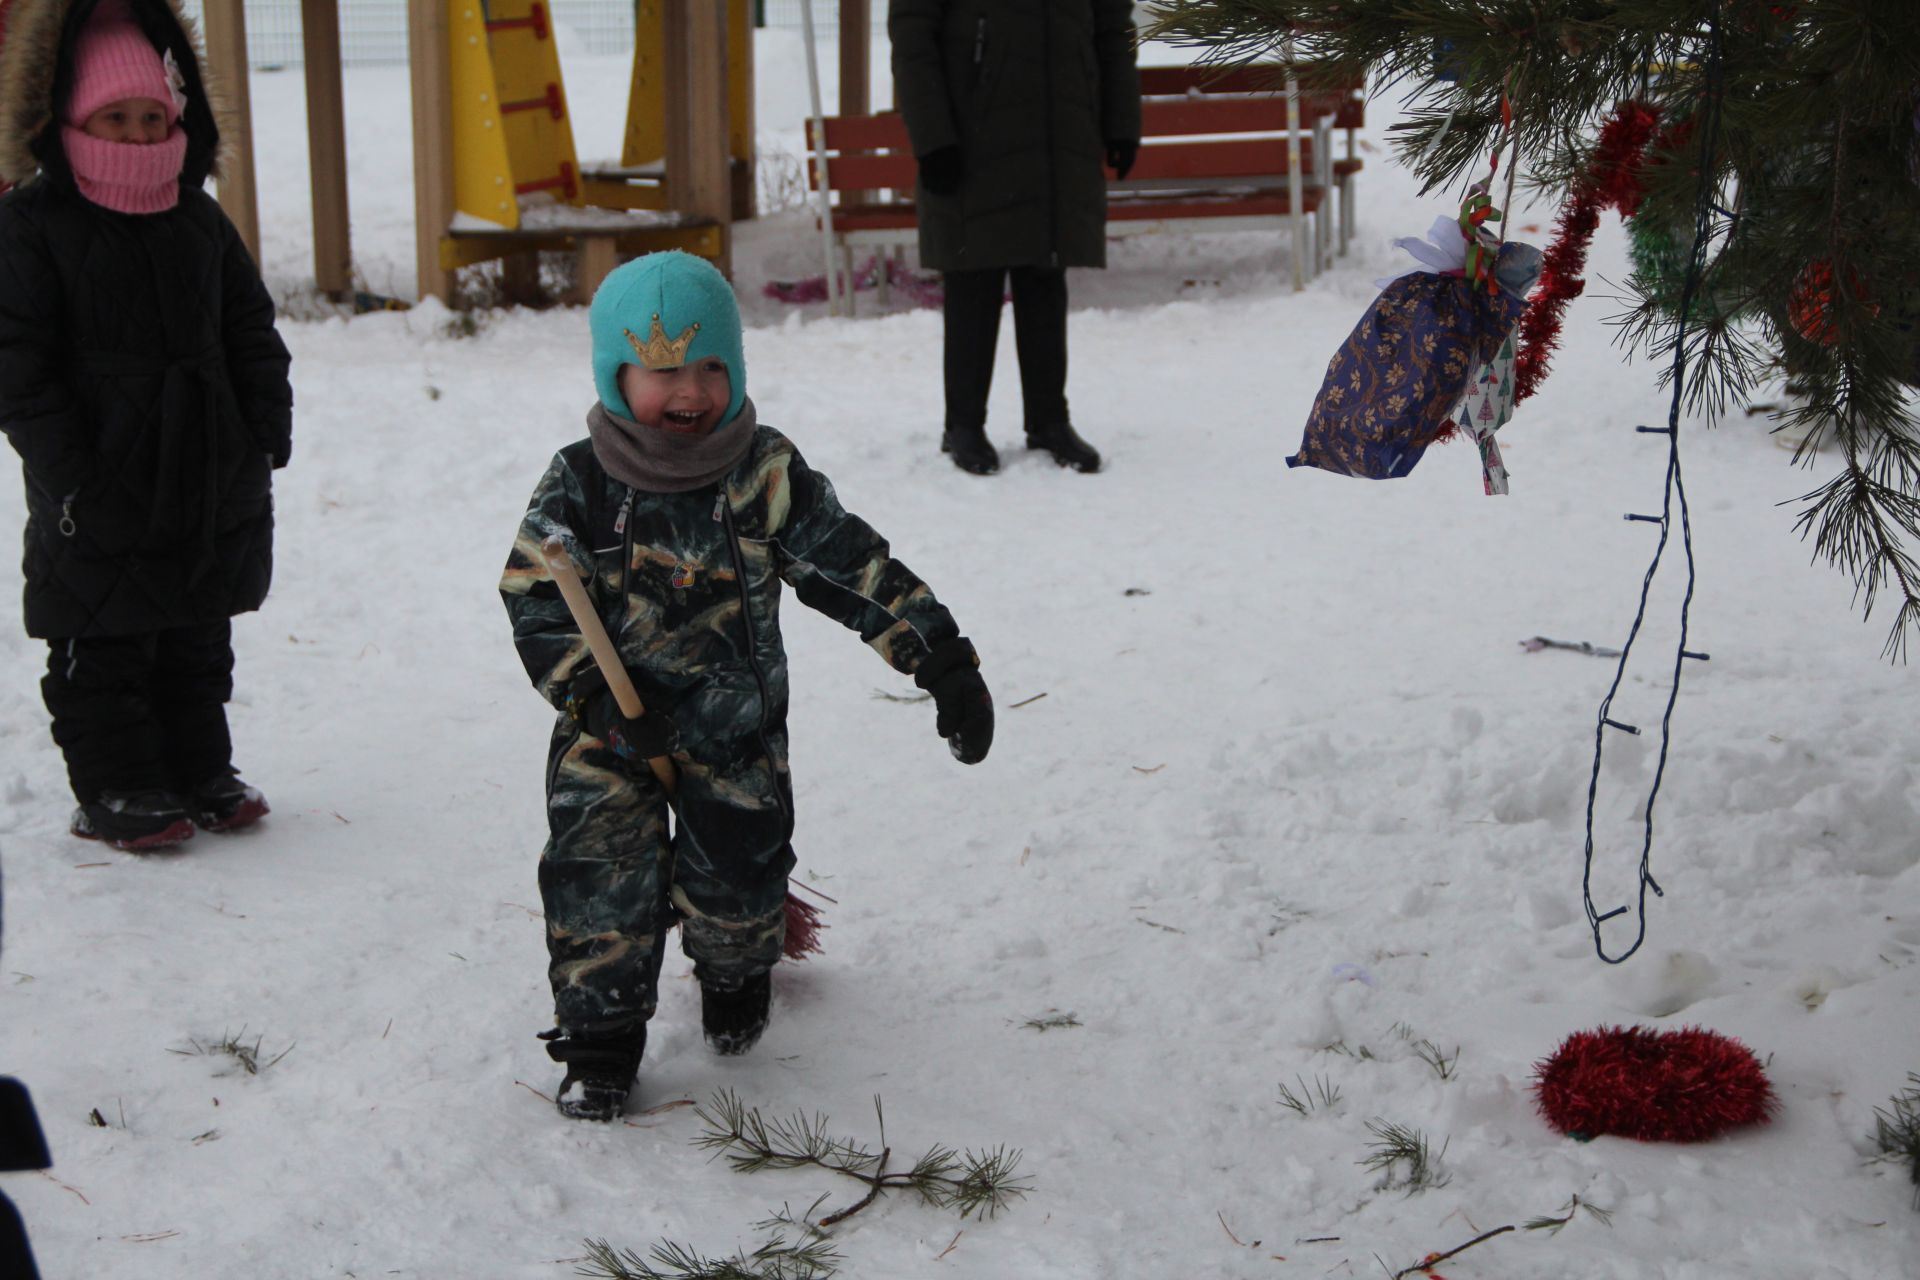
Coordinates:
x,y
657,461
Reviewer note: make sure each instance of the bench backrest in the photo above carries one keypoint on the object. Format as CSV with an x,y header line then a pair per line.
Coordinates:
x,y
872,152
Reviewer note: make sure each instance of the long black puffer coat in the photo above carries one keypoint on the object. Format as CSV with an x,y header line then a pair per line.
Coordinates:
x,y
1031,91
142,381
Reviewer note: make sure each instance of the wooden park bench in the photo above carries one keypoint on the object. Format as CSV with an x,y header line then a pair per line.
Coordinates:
x,y
1215,153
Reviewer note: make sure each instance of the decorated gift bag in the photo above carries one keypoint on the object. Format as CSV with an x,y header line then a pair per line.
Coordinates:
x,y
1424,360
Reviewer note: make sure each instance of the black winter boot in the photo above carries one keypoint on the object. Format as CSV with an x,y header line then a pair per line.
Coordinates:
x,y
225,803
1066,446
137,821
733,1020
972,451
603,1066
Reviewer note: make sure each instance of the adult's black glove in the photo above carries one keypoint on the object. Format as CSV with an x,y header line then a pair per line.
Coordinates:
x,y
594,706
1121,153
951,673
941,169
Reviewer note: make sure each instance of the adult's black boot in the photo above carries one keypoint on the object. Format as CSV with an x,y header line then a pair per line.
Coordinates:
x,y
972,452
1066,446
600,1070
734,1018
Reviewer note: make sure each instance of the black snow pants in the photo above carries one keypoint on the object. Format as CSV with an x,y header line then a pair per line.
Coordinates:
x,y
614,877
142,712
972,319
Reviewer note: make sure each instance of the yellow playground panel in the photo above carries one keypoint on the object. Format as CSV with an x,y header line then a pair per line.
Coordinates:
x,y
640,181
517,182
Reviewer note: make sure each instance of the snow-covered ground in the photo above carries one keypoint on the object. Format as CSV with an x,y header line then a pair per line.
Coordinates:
x,y
1273,775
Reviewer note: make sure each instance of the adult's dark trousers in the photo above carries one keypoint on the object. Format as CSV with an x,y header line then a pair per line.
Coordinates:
x,y
972,312
142,712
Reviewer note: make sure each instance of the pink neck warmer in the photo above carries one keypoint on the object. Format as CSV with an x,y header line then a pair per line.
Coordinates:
x,y
127,177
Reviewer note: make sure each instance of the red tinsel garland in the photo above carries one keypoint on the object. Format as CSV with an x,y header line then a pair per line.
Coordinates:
x,y
1657,1086
1612,181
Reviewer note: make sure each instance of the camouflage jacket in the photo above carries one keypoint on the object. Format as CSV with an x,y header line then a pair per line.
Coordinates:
x,y
688,585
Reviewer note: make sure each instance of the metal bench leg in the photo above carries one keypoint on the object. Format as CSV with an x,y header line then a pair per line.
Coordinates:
x,y
851,293
1346,211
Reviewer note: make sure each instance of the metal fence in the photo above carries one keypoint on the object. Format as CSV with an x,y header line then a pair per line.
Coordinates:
x,y
374,31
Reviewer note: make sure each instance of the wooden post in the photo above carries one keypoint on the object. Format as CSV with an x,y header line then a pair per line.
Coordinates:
x,y
740,136
856,95
226,29
856,41
698,183
432,143
327,147
594,258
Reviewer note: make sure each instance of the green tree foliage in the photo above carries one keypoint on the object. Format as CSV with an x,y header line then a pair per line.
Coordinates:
x,y
1790,144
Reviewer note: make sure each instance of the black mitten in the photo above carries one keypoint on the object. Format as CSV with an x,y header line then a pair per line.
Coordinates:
x,y
1121,153
593,705
951,673
941,170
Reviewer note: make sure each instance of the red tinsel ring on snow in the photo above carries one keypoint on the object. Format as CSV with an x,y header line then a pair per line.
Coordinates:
x,y
1657,1086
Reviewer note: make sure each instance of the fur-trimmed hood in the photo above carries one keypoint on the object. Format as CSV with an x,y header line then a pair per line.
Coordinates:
x,y
36,74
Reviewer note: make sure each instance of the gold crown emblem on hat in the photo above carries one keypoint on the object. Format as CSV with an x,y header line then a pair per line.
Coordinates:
x,y
657,352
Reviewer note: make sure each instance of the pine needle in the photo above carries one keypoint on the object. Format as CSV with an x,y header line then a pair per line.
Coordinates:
x,y
1896,1131
1398,1145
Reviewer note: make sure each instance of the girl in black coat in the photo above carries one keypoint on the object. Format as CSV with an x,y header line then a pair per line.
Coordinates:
x,y
145,389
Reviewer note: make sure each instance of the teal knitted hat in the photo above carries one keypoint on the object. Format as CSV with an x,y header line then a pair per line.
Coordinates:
x,y
664,295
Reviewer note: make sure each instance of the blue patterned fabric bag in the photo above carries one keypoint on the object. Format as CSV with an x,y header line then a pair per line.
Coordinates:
x,y
1391,387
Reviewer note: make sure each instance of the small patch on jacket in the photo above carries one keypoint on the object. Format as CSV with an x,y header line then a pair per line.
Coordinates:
x,y
682,577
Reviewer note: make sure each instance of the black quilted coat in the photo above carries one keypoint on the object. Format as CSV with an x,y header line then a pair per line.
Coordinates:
x,y
141,379
1031,91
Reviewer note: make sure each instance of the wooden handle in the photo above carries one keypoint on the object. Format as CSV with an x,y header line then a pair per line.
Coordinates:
x,y
566,576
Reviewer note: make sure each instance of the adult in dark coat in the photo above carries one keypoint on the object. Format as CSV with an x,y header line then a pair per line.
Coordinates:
x,y
1012,106
145,389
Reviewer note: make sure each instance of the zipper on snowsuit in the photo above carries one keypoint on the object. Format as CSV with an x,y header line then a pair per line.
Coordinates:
x,y
624,526
723,512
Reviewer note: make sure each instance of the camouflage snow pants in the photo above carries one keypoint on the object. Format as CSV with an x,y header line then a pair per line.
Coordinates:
x,y
613,881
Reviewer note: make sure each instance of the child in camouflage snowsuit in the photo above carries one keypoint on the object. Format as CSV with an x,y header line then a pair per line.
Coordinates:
x,y
685,516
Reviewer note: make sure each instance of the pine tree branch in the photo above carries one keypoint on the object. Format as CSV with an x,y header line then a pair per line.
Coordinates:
x,y
984,1183
1810,106
873,1193
1435,1259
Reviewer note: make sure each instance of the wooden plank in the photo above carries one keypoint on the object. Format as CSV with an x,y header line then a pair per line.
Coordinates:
x,y
464,249
432,145
858,173
1266,203
874,217
864,133
1223,160
1185,117
1169,118
226,33
327,147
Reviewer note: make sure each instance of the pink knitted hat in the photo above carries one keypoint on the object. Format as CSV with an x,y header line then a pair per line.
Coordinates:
x,y
114,60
